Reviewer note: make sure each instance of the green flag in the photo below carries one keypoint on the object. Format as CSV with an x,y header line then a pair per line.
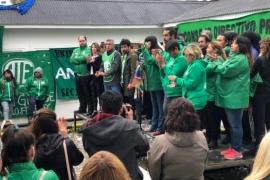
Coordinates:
x,y
22,65
64,73
1,38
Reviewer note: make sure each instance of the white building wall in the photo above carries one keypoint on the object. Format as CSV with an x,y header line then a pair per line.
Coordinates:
x,y
30,39
26,39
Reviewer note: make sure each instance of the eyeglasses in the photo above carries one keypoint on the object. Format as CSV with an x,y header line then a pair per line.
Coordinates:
x,y
108,44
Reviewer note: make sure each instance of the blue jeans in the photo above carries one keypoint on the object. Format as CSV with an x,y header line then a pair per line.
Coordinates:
x,y
34,104
235,120
157,98
7,109
114,88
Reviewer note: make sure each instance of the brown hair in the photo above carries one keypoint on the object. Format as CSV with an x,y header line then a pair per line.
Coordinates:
x,y
44,122
104,165
16,145
217,47
181,116
96,46
265,47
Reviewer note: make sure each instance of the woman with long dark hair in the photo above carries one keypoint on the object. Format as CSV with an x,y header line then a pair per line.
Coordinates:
x,y
233,86
153,85
8,93
50,134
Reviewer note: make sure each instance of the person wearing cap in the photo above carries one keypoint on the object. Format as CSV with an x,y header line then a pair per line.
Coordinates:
x,y
37,91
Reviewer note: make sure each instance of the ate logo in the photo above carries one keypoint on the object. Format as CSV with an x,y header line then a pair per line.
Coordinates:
x,y
21,68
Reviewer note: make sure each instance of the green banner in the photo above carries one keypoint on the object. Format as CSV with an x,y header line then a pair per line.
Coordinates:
x,y
22,65
1,38
64,73
257,22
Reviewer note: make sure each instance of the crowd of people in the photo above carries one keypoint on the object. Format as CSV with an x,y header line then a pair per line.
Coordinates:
x,y
192,88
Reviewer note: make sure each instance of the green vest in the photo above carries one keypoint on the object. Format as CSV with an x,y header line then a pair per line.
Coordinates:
x,y
108,62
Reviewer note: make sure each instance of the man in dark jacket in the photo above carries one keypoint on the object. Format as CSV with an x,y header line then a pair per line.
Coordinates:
x,y
110,132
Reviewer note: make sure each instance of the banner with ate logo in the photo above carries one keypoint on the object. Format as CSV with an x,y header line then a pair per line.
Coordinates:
x,y
64,73
22,65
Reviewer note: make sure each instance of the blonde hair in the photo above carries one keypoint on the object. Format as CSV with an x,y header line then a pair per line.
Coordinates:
x,y
217,47
261,168
194,50
104,165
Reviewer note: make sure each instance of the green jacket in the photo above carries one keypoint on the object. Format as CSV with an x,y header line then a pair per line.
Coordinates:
x,y
233,82
78,59
151,68
175,66
8,91
194,84
211,80
37,87
129,71
167,56
27,171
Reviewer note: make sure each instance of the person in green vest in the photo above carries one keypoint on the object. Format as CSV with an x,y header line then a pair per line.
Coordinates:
x,y
233,85
8,93
212,113
193,82
82,76
153,85
176,65
129,59
110,67
17,156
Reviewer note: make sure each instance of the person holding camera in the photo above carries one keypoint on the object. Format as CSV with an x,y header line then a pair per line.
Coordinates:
x,y
109,131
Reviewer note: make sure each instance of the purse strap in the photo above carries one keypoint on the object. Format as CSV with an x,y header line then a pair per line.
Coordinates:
x,y
67,161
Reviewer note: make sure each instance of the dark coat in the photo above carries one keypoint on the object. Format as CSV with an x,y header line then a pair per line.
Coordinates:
x,y
129,71
50,155
96,66
119,136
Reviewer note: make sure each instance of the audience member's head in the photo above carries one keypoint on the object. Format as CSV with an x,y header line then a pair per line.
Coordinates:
x,y
18,146
102,47
104,165
265,48
111,102
44,122
181,117
223,40
261,168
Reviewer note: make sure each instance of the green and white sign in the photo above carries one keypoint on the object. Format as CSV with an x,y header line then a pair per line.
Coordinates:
x,y
22,65
257,22
63,73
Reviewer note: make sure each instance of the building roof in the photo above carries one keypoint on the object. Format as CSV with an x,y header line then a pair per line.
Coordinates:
x,y
99,12
221,8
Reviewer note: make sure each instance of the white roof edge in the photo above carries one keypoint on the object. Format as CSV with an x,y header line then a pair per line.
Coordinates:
x,y
224,17
78,27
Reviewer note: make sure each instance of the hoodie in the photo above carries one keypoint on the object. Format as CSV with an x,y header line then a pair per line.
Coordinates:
x,y
119,136
50,154
178,155
194,83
